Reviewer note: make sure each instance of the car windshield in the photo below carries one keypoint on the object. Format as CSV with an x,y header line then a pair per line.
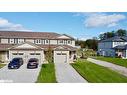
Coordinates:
x,y
15,60
33,60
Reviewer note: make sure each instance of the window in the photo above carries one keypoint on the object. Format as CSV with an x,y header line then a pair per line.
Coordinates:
x,y
11,41
15,54
34,53
20,53
46,41
65,41
38,41
37,53
20,41
69,42
61,41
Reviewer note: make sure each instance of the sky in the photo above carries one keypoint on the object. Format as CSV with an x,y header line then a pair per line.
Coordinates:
x,y
81,26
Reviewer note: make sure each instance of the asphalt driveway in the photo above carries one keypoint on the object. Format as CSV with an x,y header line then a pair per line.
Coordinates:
x,y
21,75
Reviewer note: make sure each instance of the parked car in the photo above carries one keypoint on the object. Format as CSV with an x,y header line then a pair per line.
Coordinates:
x,y
32,63
15,63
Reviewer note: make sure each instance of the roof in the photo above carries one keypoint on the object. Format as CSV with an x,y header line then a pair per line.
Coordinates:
x,y
24,34
115,39
4,47
120,47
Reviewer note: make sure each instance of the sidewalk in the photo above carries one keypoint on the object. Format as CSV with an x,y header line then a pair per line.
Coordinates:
x,y
122,70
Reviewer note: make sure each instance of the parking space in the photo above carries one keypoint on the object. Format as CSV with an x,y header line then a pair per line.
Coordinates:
x,y
21,75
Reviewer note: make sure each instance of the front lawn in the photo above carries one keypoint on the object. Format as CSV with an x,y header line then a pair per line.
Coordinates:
x,y
98,74
47,74
118,61
2,65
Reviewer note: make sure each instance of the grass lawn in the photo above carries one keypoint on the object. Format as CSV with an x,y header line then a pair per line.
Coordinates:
x,y
47,74
98,74
118,61
2,65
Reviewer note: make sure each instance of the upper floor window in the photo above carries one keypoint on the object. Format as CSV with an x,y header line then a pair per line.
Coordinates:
x,y
11,41
69,41
20,41
38,41
46,41
61,41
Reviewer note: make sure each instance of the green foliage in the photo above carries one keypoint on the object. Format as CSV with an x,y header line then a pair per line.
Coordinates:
x,y
2,65
98,74
47,74
89,43
107,35
121,32
49,55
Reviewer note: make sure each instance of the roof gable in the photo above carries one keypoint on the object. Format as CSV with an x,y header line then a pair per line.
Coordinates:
x,y
26,45
64,37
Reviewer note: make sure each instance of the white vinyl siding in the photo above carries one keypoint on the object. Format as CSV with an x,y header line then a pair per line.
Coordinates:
x,y
119,43
4,41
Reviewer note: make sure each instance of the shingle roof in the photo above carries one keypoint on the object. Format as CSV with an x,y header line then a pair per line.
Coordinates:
x,y
23,34
4,47
115,39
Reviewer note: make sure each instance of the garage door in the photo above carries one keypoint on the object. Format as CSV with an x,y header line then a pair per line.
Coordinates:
x,y
35,55
14,55
61,58
26,55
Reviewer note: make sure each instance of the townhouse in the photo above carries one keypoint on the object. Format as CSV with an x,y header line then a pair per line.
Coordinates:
x,y
35,45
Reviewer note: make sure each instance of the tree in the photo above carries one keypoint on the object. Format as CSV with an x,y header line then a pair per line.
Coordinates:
x,y
49,55
107,35
121,32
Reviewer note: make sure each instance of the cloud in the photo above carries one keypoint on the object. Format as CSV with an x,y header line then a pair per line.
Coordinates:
x,y
6,25
99,20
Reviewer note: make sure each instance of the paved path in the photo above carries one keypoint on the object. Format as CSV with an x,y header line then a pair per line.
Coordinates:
x,y
122,70
21,75
65,73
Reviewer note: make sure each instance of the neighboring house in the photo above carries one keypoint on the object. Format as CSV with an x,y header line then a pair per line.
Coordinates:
x,y
115,46
35,45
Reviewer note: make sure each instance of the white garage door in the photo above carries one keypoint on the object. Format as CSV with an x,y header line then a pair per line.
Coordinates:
x,y
14,55
35,55
61,58
27,55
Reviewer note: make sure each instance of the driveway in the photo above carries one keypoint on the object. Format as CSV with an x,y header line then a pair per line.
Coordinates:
x,y
120,69
65,73
21,75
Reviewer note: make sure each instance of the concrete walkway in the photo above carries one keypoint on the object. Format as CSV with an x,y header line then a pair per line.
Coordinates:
x,y
122,70
65,73
21,75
